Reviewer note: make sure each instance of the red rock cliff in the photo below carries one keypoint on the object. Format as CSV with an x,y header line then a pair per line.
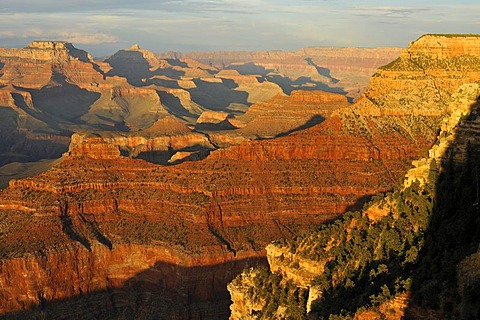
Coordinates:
x,y
229,205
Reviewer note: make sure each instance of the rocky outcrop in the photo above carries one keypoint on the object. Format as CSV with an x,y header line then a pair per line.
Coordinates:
x,y
455,129
423,80
34,66
213,120
47,50
95,148
443,46
396,96
282,114
243,307
156,143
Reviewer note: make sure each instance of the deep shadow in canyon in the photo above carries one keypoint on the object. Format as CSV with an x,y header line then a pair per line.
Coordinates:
x,y
164,291
316,119
439,286
287,84
217,96
60,102
174,105
139,71
17,147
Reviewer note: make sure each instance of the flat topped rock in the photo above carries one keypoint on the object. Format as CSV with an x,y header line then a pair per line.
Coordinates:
x,y
47,50
50,45
92,147
444,46
215,117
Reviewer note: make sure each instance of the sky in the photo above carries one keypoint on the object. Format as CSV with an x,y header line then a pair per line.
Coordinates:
x,y
103,27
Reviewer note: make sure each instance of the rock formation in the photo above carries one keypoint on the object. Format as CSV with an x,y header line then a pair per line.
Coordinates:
x,y
97,207
213,120
367,259
133,237
50,90
284,114
331,69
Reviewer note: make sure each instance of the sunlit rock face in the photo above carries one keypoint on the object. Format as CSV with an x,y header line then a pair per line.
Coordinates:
x,y
50,90
428,91
129,235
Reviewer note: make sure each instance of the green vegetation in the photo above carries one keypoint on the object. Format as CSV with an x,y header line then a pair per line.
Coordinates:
x,y
366,262
273,292
372,261
409,240
400,64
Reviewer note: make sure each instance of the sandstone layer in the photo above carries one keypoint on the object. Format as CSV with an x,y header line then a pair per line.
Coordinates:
x,y
436,79
219,211
231,204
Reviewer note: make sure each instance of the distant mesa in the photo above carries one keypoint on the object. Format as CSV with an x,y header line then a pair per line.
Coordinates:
x,y
50,45
166,126
93,147
57,47
214,120
444,46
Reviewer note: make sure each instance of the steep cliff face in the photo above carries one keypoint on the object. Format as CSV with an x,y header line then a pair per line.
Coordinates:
x,y
131,280
157,143
369,258
34,66
425,76
111,234
231,204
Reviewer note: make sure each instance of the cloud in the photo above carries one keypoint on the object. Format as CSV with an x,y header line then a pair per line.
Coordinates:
x,y
390,11
75,37
8,34
83,38
108,25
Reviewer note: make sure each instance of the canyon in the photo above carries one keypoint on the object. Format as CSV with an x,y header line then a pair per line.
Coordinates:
x,y
365,265
174,176
333,69
50,90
